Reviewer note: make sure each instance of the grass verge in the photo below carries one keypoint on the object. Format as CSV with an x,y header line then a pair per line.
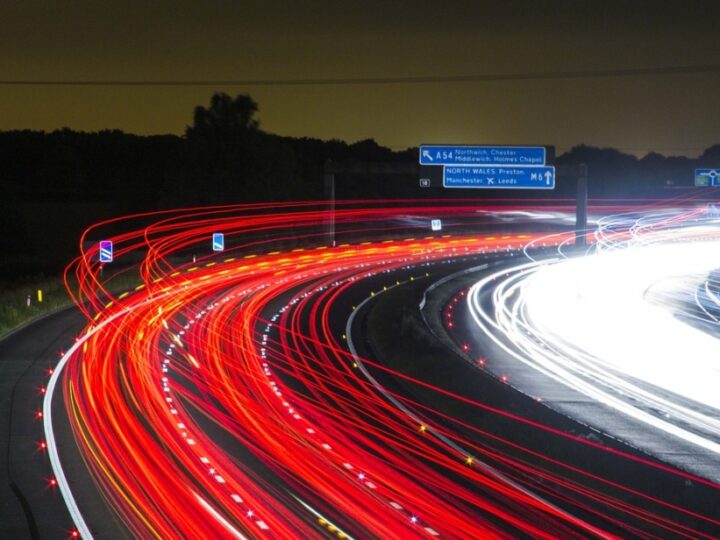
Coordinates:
x,y
15,309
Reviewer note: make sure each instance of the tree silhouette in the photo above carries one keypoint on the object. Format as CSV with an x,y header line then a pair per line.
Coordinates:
x,y
711,153
225,117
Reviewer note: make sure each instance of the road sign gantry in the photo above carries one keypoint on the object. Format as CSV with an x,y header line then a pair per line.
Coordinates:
x,y
487,167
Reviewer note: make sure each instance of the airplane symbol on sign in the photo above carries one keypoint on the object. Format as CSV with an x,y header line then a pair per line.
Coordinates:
x,y
490,181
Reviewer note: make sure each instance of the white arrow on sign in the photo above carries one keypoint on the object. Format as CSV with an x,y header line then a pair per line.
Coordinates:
x,y
548,176
426,154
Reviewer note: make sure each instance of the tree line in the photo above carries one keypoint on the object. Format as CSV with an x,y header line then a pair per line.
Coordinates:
x,y
54,184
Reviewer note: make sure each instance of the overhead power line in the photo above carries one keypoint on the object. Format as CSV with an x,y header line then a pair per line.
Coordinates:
x,y
489,77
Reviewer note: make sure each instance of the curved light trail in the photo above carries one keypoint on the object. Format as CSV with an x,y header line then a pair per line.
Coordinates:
x,y
617,325
219,398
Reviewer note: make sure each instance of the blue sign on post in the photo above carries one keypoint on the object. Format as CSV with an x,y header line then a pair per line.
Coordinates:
x,y
106,251
218,241
707,177
499,177
482,155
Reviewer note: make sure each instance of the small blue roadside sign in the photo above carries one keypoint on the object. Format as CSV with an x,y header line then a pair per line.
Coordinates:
x,y
499,177
482,155
707,177
106,251
218,241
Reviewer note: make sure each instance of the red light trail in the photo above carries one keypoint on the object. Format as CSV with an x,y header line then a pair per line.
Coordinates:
x,y
249,348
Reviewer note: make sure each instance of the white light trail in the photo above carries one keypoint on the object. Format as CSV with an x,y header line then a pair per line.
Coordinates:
x,y
614,325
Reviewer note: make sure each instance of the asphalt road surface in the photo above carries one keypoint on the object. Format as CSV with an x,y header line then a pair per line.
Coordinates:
x,y
30,507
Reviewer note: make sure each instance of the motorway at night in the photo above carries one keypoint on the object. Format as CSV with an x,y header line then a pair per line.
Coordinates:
x,y
256,391
360,270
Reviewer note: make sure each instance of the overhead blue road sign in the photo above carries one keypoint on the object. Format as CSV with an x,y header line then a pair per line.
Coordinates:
x,y
106,251
218,241
482,155
707,177
499,177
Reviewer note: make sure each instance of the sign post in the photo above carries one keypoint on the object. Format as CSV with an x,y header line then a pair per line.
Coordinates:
x,y
218,241
106,251
581,207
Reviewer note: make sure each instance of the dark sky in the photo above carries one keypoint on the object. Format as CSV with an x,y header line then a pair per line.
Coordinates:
x,y
220,40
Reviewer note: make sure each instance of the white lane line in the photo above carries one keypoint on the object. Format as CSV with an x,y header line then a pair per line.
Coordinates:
x,y
57,468
224,522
